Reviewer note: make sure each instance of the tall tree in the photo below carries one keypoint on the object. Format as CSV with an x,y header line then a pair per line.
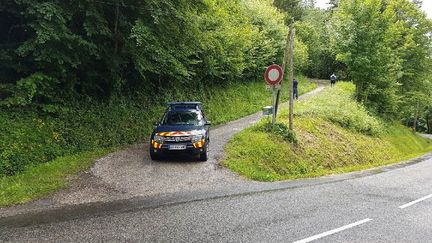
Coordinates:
x,y
361,32
409,38
293,9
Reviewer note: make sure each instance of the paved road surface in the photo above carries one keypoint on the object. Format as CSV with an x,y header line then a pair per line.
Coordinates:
x,y
369,204
427,135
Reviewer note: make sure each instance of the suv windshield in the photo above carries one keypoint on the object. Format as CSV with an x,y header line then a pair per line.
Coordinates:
x,y
183,118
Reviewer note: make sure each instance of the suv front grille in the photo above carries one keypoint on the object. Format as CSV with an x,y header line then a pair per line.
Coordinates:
x,y
178,139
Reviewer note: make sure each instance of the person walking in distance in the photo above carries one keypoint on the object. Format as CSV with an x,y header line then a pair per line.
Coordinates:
x,y
295,89
333,79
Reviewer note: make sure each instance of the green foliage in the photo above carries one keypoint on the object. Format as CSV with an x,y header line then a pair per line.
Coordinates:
x,y
292,8
35,85
301,56
383,46
27,139
279,130
386,48
39,181
315,31
324,146
372,65
83,75
56,51
409,36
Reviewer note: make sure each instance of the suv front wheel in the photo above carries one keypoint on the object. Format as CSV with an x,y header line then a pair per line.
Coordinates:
x,y
204,155
153,155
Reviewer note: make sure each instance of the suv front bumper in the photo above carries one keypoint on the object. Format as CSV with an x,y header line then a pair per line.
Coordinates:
x,y
191,148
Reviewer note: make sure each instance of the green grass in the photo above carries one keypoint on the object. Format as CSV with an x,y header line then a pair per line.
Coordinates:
x,y
38,152
337,105
41,180
334,135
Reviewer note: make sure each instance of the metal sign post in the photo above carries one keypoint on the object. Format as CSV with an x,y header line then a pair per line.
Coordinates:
x,y
274,96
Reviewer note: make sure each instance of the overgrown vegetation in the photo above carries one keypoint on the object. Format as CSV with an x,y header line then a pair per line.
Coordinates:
x,y
386,47
39,181
279,130
335,134
54,51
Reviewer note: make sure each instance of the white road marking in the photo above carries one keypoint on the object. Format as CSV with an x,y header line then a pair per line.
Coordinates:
x,y
315,237
416,201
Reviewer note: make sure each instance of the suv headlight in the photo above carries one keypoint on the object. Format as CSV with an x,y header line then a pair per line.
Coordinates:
x,y
158,139
197,138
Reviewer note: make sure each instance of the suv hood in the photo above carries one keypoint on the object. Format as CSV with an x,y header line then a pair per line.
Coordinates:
x,y
178,128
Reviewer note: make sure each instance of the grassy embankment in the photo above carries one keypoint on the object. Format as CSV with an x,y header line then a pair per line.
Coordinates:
x,y
334,135
40,151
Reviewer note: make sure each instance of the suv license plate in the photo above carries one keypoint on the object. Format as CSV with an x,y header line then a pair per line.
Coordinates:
x,y
177,147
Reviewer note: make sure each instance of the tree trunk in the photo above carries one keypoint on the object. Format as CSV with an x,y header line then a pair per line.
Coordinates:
x,y
290,63
429,123
416,117
359,90
117,13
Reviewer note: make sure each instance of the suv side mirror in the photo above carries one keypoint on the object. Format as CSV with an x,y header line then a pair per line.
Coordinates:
x,y
208,123
156,124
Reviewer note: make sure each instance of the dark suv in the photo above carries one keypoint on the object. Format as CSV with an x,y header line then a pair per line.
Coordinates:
x,y
183,129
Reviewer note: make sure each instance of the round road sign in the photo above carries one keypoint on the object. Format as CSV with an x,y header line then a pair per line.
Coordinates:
x,y
273,74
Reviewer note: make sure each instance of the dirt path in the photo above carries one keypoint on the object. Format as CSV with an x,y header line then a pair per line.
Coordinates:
x,y
131,173
426,135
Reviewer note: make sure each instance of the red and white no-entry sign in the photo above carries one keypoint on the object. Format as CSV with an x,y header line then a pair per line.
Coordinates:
x,y
273,75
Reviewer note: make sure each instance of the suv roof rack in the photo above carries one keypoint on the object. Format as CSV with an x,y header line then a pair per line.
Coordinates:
x,y
184,105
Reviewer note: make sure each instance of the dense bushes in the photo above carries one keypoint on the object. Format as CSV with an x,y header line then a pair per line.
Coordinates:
x,y
30,138
56,49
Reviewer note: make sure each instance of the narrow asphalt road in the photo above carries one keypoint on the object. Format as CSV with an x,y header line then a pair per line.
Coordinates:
x,y
392,206
427,135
